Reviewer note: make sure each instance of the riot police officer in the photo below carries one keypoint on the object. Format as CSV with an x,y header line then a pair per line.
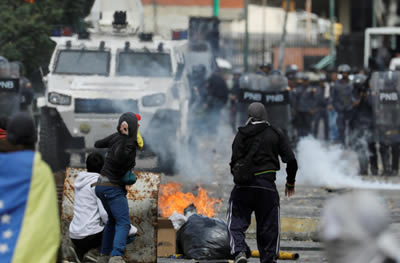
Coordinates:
x,y
217,97
342,100
305,105
265,68
26,93
386,85
290,73
8,97
197,82
25,87
362,126
322,100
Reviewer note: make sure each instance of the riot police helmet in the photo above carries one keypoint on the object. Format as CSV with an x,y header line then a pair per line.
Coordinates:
x,y
344,68
359,79
291,69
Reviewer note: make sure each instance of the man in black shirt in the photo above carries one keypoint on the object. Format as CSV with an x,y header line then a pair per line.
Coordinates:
x,y
260,195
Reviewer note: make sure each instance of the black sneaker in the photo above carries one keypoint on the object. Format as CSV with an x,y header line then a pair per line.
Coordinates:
x,y
241,258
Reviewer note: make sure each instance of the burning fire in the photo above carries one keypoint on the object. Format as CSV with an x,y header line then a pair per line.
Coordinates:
x,y
172,199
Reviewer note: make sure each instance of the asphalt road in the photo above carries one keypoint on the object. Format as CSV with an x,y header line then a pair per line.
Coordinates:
x,y
301,213
208,166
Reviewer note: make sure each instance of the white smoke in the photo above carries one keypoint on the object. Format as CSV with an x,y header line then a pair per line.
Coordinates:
x,y
322,164
207,159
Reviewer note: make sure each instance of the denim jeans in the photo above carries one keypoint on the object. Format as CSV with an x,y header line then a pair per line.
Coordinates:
x,y
333,130
117,228
321,114
343,125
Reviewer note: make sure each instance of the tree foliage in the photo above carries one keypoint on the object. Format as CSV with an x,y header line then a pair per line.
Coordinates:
x,y
25,28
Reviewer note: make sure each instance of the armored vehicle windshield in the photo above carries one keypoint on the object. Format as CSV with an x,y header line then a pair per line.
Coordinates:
x,y
144,64
83,62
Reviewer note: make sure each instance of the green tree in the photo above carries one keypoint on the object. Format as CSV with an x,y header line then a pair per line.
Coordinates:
x,y
26,28
75,11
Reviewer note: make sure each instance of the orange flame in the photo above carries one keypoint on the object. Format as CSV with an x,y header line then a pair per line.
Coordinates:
x,y
172,199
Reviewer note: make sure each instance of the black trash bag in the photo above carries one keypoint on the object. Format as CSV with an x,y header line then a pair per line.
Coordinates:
x,y
204,238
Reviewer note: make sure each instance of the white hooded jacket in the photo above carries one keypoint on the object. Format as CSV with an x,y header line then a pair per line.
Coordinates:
x,y
89,214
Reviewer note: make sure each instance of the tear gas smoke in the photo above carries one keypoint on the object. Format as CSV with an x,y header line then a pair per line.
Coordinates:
x,y
321,164
205,156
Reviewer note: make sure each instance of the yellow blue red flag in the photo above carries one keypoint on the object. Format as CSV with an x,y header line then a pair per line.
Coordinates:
x,y
29,220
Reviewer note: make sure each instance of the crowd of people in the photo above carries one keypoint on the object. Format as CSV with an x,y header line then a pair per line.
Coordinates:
x,y
336,103
341,100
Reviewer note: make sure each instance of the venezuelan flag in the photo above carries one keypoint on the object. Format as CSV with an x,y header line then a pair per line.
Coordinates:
x,y
29,220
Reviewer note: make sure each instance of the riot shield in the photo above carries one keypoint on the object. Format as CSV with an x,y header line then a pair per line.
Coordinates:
x,y
9,97
273,93
385,87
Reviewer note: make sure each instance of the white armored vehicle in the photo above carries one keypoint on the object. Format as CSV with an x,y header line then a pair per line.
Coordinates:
x,y
115,69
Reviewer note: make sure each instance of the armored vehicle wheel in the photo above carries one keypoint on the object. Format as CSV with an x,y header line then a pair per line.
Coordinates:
x,y
50,137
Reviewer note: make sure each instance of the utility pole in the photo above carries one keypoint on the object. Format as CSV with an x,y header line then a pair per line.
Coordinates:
x,y
308,21
216,8
155,15
264,6
332,43
283,38
373,13
246,36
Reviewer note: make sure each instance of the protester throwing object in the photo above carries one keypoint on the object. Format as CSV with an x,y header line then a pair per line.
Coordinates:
x,y
110,188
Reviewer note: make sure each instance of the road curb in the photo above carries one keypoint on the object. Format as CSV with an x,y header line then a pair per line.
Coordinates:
x,y
292,229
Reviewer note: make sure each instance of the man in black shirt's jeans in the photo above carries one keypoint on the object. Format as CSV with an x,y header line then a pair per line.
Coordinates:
x,y
261,195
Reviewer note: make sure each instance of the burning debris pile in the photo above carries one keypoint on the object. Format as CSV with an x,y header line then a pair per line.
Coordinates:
x,y
172,199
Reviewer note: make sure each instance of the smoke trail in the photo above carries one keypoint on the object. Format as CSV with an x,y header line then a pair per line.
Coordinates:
x,y
321,164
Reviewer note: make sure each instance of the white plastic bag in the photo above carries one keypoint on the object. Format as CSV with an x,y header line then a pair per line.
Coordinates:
x,y
177,220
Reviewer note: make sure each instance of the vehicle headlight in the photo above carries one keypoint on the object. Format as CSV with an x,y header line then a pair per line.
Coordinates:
x,y
153,100
59,99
